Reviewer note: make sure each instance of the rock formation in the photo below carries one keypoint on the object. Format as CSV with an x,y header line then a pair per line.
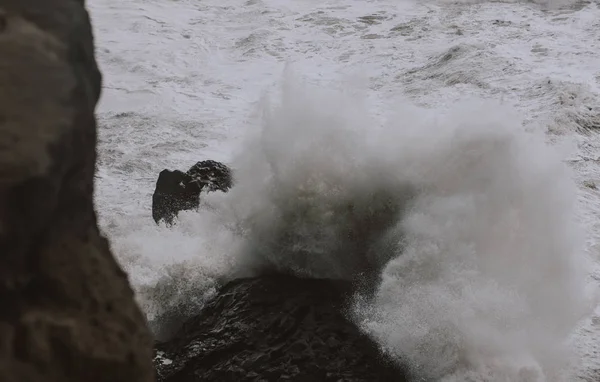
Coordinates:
x,y
178,191
175,191
67,310
274,328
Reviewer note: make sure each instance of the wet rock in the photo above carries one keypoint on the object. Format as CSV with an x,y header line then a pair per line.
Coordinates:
x,y
274,328
175,191
210,176
179,191
67,310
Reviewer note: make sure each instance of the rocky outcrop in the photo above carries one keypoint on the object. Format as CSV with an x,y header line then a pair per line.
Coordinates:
x,y
274,328
179,191
174,192
211,175
67,310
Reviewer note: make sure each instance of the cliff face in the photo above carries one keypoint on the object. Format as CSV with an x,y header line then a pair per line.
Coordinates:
x,y
273,328
67,310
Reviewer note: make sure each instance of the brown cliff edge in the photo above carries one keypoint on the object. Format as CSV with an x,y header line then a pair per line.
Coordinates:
x,y
67,311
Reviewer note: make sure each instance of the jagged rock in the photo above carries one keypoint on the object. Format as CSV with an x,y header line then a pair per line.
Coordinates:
x,y
175,191
211,176
67,310
178,191
274,328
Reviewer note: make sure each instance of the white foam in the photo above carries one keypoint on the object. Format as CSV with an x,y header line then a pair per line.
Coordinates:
x,y
492,250
484,251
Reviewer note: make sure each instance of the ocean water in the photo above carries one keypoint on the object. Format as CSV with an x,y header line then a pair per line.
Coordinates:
x,y
447,152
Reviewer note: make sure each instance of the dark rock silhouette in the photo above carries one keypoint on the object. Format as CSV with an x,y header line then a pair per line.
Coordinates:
x,y
274,328
175,191
178,191
67,310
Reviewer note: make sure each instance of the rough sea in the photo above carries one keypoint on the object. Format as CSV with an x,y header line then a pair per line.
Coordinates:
x,y
460,139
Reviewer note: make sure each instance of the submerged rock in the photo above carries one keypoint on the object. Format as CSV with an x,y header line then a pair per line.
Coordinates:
x,y
67,311
274,328
179,191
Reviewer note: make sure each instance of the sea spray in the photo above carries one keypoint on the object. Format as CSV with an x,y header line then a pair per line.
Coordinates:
x,y
469,218
489,281
462,223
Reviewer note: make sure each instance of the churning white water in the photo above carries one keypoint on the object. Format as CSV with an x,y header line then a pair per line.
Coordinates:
x,y
473,216
435,150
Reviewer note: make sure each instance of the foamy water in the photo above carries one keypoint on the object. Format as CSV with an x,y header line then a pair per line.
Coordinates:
x,y
448,148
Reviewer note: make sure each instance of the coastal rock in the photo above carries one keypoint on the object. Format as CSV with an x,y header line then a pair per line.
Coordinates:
x,y
67,309
179,191
211,175
274,328
175,191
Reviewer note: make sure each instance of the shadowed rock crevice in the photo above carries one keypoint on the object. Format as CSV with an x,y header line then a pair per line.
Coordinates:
x,y
68,312
274,328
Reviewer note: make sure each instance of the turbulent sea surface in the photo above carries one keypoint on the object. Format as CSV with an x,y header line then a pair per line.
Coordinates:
x,y
453,146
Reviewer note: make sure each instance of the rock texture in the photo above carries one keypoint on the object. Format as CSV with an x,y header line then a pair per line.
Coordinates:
x,y
178,191
174,192
67,312
273,328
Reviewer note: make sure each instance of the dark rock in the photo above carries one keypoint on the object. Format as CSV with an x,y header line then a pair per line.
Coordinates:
x,y
274,328
175,191
67,310
178,191
210,175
